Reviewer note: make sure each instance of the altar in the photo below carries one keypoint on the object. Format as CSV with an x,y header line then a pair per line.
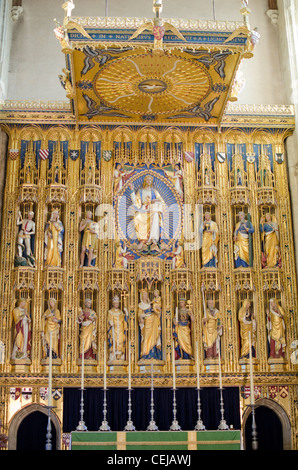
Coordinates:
x,y
158,440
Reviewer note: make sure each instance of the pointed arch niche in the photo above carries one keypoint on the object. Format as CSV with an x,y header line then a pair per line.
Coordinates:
x,y
281,415
21,415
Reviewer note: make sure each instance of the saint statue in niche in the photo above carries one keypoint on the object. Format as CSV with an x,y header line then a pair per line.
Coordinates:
x,y
182,331
54,234
87,321
209,230
276,329
212,330
89,250
248,327
25,241
270,241
22,330
149,317
51,323
242,245
117,331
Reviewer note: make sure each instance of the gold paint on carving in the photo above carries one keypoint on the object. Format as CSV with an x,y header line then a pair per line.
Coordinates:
x,y
74,194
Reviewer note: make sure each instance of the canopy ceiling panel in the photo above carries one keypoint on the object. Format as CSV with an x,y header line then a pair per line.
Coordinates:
x,y
131,70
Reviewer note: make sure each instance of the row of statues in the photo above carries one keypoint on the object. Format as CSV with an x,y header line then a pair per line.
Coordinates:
x,y
149,316
54,233
53,240
242,241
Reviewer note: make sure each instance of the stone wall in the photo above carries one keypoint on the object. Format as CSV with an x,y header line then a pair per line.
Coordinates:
x,y
36,58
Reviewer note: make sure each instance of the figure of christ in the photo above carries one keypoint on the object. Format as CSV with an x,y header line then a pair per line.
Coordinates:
x,y
148,215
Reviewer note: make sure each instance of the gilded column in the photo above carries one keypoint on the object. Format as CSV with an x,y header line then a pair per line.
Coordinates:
x,y
71,296
40,275
228,299
8,245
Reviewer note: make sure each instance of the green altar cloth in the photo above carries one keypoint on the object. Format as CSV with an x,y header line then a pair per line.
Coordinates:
x,y
156,440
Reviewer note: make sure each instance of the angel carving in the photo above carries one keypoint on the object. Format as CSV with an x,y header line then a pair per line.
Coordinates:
x,y
66,83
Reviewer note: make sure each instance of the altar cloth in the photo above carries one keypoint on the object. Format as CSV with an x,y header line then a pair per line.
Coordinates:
x,y
156,440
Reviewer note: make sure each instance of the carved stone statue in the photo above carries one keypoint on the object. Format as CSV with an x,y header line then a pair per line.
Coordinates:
x,y
270,241
178,255
149,317
212,330
276,329
51,323
242,247
22,331
120,259
247,324
176,177
89,228
25,240
209,230
54,234
87,320
117,331
182,331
